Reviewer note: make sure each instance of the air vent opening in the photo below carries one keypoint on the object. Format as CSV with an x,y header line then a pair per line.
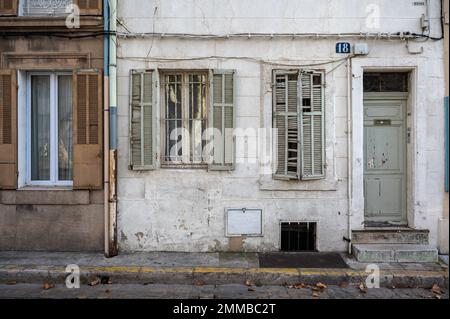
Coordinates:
x,y
298,236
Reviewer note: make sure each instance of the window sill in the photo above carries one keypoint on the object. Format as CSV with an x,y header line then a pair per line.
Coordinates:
x,y
45,188
184,166
269,184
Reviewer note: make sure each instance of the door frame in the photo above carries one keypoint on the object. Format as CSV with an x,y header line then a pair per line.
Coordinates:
x,y
389,96
415,179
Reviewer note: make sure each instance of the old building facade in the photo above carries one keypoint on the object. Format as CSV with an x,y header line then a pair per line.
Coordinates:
x,y
359,133
51,111
227,126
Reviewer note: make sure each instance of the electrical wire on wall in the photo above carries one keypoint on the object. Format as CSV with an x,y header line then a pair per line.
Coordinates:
x,y
401,35
249,59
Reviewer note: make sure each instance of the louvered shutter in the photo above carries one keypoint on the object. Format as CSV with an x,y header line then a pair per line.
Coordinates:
x,y
142,120
286,122
312,126
8,129
87,129
89,7
8,7
222,119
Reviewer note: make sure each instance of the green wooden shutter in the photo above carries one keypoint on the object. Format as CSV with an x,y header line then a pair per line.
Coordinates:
x,y
222,119
312,125
142,120
286,122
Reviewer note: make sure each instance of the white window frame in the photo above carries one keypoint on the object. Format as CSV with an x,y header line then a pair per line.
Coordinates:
x,y
53,131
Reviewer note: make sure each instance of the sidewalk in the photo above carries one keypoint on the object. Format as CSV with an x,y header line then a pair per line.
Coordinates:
x,y
203,268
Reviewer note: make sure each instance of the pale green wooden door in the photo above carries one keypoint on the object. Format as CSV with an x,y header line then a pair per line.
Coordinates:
x,y
385,161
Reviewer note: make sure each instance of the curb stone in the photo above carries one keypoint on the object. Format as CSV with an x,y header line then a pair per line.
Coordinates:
x,y
193,275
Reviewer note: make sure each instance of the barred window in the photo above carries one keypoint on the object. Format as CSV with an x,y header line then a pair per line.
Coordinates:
x,y
184,117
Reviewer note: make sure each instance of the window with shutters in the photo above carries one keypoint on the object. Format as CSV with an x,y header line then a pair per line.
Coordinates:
x,y
49,129
184,115
298,120
44,7
196,118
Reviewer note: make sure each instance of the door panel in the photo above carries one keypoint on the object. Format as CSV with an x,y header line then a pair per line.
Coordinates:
x,y
384,153
384,161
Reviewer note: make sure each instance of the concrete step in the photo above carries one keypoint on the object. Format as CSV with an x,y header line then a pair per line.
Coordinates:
x,y
386,253
390,236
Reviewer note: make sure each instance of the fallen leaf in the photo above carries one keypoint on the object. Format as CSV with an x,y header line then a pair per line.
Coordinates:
x,y
316,289
248,283
48,286
343,284
94,282
105,280
321,285
315,294
199,283
362,288
436,289
82,296
297,286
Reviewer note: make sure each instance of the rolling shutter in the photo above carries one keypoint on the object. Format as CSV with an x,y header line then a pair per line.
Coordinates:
x,y
142,120
89,7
8,7
312,125
87,129
286,123
8,129
222,119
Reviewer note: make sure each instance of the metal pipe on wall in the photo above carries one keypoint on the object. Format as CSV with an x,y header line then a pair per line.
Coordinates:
x,y
113,127
110,145
349,154
106,125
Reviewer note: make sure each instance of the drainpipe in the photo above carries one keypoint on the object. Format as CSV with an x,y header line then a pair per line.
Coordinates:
x,y
110,145
350,158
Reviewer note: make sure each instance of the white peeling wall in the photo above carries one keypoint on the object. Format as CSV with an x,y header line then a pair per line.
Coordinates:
x,y
183,209
273,16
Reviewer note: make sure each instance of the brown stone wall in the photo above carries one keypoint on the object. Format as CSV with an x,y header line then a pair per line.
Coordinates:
x,y
50,219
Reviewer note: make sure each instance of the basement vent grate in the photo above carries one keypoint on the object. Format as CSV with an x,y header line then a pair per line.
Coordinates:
x,y
298,236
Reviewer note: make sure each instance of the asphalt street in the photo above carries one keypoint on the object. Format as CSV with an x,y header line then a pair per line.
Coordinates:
x,y
153,291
